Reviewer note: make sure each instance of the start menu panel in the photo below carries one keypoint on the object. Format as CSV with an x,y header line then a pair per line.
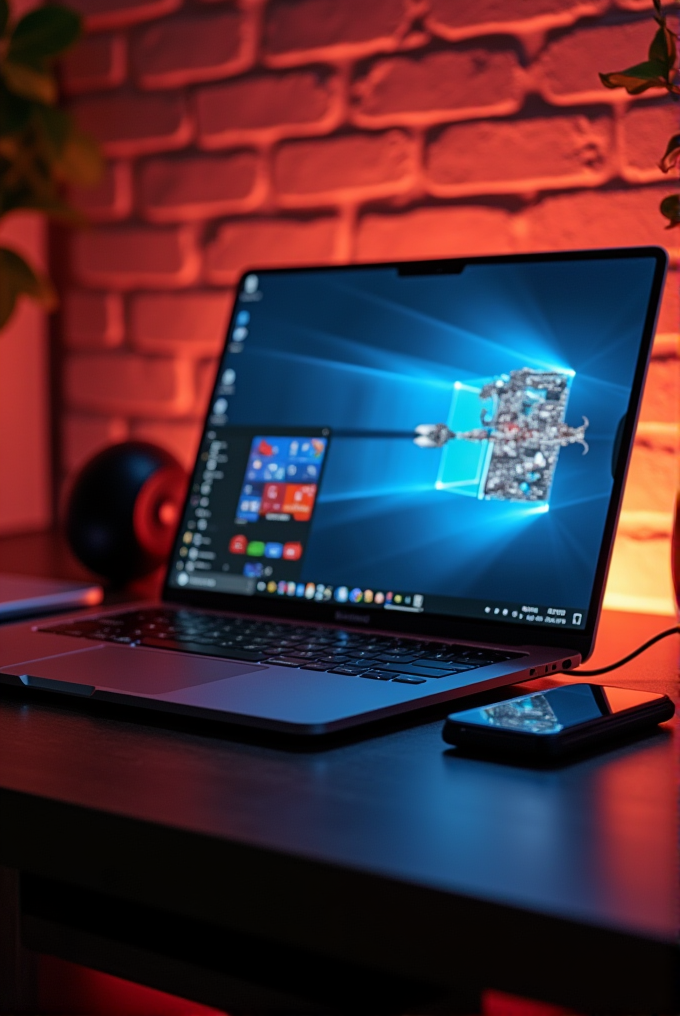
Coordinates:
x,y
253,505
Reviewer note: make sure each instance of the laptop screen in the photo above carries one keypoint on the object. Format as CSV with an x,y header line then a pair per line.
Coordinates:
x,y
427,439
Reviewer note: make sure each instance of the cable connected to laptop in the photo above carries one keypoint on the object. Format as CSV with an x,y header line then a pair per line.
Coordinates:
x,y
631,656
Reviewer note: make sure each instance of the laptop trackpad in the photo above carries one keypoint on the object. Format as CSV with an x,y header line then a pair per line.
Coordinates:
x,y
140,671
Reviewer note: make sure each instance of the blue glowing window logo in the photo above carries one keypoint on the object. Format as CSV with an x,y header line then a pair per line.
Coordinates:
x,y
504,435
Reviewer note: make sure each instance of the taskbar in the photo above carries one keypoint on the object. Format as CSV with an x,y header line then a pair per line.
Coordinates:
x,y
544,615
518,613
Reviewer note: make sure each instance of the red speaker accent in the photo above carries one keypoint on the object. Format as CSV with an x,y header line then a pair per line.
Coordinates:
x,y
157,510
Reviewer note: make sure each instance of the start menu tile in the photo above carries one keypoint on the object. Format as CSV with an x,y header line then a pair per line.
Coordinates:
x,y
281,479
275,505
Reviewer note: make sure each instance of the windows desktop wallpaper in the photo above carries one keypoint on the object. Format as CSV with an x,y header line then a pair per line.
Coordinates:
x,y
375,356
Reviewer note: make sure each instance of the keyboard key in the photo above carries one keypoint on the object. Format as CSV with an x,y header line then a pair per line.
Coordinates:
x,y
446,665
409,680
201,650
396,657
416,671
351,671
376,675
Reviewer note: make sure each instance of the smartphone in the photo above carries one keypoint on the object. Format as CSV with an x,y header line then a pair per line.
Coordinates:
x,y
550,724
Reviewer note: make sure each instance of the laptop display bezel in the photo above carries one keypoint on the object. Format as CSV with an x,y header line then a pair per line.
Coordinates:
x,y
443,625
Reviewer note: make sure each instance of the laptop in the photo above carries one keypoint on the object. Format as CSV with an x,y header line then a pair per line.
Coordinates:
x,y
406,492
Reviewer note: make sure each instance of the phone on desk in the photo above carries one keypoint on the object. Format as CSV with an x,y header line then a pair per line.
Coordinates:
x,y
549,725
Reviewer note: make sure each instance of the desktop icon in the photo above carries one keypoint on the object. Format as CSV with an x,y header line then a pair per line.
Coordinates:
x,y
310,589
292,551
368,596
379,598
341,594
271,587
300,589
291,589
355,596
273,549
238,544
255,548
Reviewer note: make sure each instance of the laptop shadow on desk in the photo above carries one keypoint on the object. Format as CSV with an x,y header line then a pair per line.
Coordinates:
x,y
239,734
174,723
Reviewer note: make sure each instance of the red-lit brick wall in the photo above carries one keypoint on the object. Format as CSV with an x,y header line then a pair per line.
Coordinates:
x,y
288,131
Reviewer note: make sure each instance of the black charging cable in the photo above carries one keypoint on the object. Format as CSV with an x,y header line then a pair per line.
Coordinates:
x,y
631,656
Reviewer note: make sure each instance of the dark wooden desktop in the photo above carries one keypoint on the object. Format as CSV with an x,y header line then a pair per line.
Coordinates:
x,y
379,873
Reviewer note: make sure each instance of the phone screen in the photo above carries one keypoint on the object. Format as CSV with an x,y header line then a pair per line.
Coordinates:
x,y
554,710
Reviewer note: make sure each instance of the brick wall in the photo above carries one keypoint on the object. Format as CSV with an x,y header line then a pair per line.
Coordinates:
x,y
287,131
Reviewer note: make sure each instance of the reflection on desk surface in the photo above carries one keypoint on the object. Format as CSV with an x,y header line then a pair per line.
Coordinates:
x,y
595,840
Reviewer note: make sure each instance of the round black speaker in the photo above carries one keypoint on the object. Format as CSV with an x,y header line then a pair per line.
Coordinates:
x,y
123,510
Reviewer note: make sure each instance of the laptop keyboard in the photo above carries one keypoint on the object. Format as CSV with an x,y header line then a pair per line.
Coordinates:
x,y
329,650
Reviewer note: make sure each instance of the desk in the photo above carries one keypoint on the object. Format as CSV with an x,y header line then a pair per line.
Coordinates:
x,y
377,873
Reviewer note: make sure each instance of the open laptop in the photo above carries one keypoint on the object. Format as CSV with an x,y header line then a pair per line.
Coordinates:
x,y
406,492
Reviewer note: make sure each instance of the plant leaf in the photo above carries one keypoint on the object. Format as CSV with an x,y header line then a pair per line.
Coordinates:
x,y
81,162
637,79
55,209
671,155
662,49
43,34
17,278
28,82
670,207
55,126
15,111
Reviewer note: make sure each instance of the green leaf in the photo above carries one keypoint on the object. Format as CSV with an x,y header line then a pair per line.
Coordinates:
x,y
671,155
663,50
4,16
81,162
55,126
637,79
15,111
55,209
17,278
28,82
43,34
670,207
